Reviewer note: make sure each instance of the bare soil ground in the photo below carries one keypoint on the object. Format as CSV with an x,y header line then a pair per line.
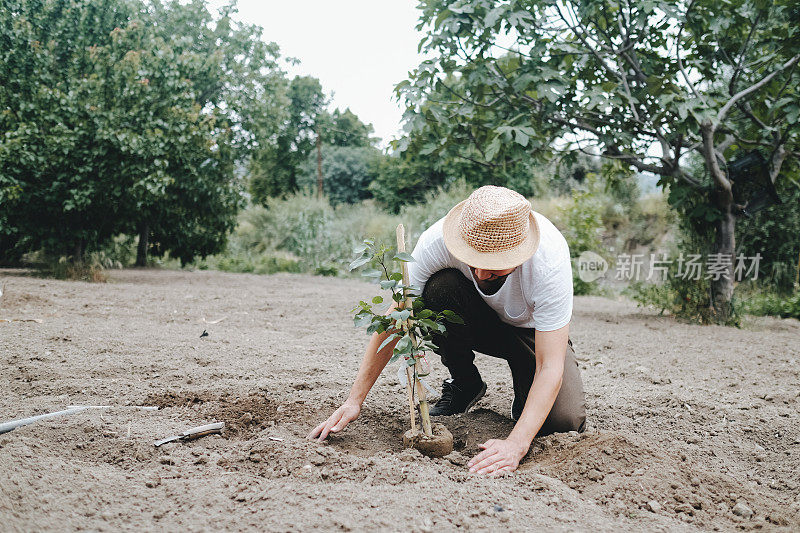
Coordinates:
x,y
699,420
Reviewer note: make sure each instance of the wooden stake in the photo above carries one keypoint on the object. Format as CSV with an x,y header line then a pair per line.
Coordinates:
x,y
410,392
424,412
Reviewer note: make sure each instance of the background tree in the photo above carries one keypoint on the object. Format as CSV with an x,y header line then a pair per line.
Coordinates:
x,y
347,172
349,158
346,129
275,167
646,83
431,156
221,95
123,116
58,186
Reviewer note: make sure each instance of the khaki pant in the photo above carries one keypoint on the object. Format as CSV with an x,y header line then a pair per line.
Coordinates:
x,y
483,331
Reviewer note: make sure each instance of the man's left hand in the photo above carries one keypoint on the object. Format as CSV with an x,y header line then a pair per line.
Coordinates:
x,y
498,457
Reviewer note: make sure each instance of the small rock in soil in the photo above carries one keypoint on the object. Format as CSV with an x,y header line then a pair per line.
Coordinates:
x,y
740,509
654,506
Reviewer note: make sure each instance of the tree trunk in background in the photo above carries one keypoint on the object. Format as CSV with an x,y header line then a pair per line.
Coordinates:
x,y
319,164
724,244
77,253
141,249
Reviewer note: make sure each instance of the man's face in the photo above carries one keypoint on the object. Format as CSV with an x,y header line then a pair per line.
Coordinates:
x,y
490,275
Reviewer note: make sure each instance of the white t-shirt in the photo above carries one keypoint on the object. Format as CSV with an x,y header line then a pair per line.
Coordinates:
x,y
537,294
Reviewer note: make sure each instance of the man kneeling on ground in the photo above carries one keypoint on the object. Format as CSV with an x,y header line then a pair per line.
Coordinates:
x,y
506,271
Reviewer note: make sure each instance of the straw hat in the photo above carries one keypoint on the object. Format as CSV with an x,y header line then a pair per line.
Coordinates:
x,y
493,229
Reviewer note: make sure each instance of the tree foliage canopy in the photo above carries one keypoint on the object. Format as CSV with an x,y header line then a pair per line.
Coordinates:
x,y
275,166
649,85
618,77
124,116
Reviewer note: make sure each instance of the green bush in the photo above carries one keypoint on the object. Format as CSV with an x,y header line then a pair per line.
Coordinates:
x,y
685,299
260,264
771,303
775,234
583,227
682,296
315,237
92,269
301,233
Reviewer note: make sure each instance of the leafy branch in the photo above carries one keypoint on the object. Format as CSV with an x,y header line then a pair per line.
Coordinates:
x,y
409,324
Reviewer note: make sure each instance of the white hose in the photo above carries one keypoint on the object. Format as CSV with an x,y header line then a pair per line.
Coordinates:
x,y
11,425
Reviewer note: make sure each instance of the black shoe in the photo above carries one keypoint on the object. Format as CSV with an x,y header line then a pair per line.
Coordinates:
x,y
458,398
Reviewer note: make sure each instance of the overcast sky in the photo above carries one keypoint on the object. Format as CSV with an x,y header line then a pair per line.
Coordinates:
x,y
359,49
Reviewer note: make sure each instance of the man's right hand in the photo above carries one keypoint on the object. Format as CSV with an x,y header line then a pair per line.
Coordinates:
x,y
348,412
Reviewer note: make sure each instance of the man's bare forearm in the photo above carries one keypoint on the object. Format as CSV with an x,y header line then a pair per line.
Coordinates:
x,y
371,367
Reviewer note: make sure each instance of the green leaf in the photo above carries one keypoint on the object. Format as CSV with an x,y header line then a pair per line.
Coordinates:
x,y
387,340
493,16
377,300
441,17
388,284
371,273
792,114
361,321
429,323
450,316
401,315
428,149
493,148
382,307
358,262
521,137
404,345
404,256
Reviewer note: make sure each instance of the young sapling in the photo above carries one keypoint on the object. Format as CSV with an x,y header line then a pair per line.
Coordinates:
x,y
411,326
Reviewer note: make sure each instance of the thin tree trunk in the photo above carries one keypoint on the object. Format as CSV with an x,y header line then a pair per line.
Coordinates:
x,y
77,253
320,192
141,249
724,246
724,242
